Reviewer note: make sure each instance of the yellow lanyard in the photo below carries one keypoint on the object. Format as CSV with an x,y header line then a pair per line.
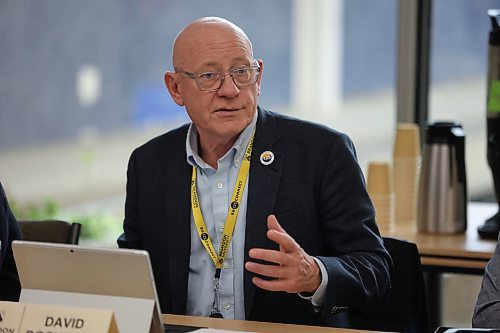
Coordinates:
x,y
232,213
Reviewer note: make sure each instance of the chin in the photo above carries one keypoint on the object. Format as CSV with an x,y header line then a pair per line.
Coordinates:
x,y
232,131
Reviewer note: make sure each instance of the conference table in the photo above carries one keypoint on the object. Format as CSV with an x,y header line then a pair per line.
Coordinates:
x,y
463,253
249,326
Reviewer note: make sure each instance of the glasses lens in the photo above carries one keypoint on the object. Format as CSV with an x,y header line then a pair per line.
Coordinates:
x,y
245,76
208,81
211,81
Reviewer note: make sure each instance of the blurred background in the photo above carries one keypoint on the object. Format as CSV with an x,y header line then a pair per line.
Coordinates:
x,y
81,86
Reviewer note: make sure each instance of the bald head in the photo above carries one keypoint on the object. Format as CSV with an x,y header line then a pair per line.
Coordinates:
x,y
217,80
207,32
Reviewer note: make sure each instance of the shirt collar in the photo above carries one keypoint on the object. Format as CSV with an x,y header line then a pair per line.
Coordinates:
x,y
238,148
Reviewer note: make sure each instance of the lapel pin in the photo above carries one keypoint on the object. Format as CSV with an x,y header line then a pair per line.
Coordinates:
x,y
267,157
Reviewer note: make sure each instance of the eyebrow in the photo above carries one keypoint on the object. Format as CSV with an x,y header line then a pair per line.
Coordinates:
x,y
214,64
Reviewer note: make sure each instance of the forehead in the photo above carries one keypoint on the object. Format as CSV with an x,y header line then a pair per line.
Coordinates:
x,y
211,45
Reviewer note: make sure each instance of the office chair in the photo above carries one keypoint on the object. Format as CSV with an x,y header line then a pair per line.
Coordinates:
x,y
52,231
405,307
407,299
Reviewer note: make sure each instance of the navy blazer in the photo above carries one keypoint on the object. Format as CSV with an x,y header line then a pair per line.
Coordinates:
x,y
9,231
314,187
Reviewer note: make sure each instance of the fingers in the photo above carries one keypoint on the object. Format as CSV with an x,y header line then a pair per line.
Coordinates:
x,y
272,285
300,275
279,281
272,271
278,235
273,256
291,268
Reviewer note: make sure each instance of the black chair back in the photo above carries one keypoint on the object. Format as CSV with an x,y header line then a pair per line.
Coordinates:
x,y
405,307
52,231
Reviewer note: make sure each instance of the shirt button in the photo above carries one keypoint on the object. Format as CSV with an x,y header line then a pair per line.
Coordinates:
x,y
219,185
227,306
226,265
221,226
237,161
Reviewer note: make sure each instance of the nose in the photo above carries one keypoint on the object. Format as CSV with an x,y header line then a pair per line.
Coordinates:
x,y
228,88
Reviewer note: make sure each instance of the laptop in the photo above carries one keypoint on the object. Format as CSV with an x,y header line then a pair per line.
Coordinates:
x,y
73,275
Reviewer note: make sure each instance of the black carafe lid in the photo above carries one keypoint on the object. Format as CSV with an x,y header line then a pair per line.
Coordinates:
x,y
494,15
446,132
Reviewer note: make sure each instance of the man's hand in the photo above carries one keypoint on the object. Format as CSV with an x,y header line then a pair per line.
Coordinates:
x,y
295,272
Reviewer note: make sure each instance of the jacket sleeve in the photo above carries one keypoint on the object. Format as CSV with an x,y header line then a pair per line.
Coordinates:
x,y
359,267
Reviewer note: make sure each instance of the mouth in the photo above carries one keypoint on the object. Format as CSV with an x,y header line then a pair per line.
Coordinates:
x,y
227,110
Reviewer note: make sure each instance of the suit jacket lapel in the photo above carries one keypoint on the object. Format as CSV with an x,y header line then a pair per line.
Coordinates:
x,y
262,191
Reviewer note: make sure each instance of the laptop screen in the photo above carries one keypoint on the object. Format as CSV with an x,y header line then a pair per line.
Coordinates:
x,y
88,277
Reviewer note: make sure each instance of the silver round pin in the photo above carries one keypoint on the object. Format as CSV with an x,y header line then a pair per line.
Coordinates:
x,y
267,157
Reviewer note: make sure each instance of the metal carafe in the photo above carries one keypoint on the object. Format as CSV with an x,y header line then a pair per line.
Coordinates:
x,y
442,198
491,227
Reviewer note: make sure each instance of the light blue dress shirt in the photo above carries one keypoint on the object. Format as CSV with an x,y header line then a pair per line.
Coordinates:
x,y
215,188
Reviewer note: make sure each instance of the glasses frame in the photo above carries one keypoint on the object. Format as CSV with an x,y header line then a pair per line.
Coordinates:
x,y
223,73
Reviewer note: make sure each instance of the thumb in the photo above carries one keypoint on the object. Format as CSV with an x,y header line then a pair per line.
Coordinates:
x,y
273,224
280,236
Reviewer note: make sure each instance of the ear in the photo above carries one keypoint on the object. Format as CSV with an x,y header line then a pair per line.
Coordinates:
x,y
173,87
261,65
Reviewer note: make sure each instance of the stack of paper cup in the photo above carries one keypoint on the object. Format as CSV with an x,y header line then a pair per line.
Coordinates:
x,y
406,174
382,195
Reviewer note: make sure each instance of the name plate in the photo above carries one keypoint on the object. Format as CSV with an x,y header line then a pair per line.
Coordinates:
x,y
38,318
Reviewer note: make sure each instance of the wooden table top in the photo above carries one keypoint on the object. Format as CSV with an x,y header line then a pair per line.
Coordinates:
x,y
462,250
250,326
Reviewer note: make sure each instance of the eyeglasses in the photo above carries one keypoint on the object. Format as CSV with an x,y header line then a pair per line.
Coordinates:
x,y
212,81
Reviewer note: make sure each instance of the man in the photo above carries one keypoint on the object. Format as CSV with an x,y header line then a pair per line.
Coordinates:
x,y
9,231
487,309
292,239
